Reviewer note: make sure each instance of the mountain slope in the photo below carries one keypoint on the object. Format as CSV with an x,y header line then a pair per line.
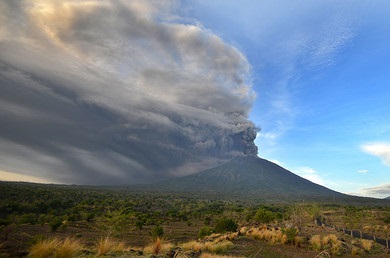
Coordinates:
x,y
250,176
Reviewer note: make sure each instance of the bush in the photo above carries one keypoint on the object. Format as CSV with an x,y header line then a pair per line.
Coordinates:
x,y
264,216
157,232
55,224
290,233
225,225
205,231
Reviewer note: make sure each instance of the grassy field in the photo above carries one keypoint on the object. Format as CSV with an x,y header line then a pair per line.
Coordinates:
x,y
73,221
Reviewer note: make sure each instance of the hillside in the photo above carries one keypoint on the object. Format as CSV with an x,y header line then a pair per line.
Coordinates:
x,y
251,177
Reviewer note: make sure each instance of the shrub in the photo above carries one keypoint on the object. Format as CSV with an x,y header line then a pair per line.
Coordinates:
x,y
264,216
55,224
290,233
205,231
157,232
225,225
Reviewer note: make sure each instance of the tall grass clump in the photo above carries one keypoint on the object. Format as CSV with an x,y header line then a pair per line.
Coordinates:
x,y
207,255
158,247
273,235
193,246
44,248
106,245
218,248
316,242
367,244
56,248
330,243
69,248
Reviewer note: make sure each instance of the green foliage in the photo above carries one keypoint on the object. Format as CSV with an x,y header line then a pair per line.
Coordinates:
x,y
387,220
55,224
225,225
264,216
205,231
157,232
207,220
291,233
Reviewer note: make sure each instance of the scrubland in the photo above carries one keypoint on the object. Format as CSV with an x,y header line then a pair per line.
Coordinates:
x,y
64,221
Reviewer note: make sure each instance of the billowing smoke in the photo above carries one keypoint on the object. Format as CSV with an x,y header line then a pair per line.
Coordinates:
x,y
102,92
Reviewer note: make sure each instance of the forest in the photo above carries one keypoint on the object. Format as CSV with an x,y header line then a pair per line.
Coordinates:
x,y
39,220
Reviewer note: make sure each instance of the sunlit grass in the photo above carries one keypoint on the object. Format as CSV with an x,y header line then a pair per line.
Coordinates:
x,y
56,248
44,248
158,247
106,245
70,247
367,244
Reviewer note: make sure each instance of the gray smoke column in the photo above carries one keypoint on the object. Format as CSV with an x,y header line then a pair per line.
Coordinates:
x,y
108,92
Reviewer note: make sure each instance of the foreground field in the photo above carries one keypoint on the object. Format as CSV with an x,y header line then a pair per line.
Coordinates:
x,y
62,221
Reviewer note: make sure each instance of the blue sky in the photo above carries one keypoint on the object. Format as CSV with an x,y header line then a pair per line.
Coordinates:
x,y
321,71
113,92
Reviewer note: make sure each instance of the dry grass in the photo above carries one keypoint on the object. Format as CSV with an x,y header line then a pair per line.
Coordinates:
x,y
69,248
106,245
193,246
355,250
274,235
299,241
367,244
158,247
218,248
243,230
330,243
56,248
207,255
316,242
44,248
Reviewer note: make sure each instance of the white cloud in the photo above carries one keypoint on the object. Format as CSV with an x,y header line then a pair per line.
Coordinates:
x,y
310,174
379,191
380,150
363,171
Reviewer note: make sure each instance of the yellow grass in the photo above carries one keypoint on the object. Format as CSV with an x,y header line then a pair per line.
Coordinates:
x,y
158,247
106,245
299,241
355,250
218,248
315,242
193,246
207,255
56,248
274,235
366,244
44,248
69,248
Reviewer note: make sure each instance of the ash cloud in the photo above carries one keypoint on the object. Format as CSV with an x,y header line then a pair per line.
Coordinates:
x,y
117,92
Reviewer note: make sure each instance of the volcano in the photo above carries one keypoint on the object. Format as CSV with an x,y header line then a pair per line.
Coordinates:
x,y
252,177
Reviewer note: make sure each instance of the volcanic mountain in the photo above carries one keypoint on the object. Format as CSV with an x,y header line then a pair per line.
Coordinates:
x,y
250,176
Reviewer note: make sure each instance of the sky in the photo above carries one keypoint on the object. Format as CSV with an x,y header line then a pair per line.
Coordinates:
x,y
121,92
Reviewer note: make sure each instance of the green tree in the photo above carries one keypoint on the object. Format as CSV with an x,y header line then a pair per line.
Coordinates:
x,y
225,225
264,216
205,231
